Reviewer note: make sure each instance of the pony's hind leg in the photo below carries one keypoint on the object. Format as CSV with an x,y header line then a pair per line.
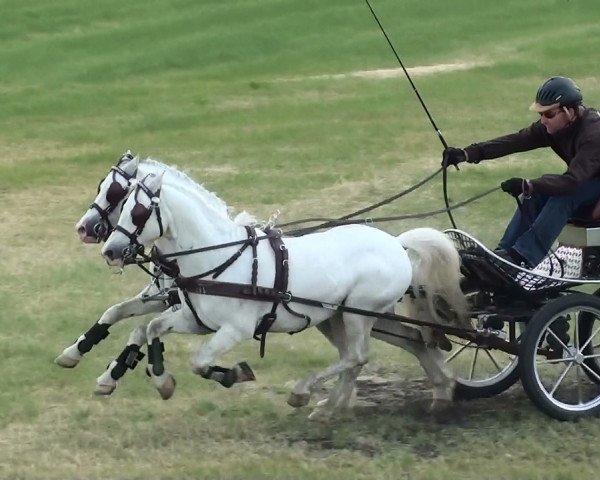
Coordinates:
x,y
170,321
132,307
221,342
128,358
357,331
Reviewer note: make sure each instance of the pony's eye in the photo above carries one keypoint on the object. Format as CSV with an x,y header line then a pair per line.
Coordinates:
x,y
115,194
140,215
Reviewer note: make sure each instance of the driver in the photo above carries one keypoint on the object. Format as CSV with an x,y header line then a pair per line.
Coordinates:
x,y
572,131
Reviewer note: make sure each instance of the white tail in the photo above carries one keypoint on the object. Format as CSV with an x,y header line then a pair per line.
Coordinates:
x,y
436,272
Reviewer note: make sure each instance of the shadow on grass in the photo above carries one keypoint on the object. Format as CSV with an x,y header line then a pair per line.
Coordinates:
x,y
395,413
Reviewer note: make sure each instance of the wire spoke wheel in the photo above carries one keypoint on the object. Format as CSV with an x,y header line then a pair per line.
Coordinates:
x,y
480,371
589,329
559,357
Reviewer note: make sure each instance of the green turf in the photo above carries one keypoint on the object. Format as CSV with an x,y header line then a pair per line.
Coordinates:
x,y
233,92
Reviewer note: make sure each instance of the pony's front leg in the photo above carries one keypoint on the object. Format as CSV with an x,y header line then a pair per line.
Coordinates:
x,y
135,306
170,321
128,358
221,342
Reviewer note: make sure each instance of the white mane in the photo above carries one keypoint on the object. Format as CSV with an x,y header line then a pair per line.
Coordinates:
x,y
210,199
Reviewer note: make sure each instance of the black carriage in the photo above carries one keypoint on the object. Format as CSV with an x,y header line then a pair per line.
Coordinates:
x,y
538,325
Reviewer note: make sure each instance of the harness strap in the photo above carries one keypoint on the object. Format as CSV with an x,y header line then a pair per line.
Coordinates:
x,y
188,302
282,275
267,294
197,284
280,284
219,269
168,267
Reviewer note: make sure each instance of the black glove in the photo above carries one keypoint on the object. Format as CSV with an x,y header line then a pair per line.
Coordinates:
x,y
453,156
514,186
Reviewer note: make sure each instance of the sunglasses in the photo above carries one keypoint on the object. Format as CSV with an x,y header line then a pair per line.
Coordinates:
x,y
551,113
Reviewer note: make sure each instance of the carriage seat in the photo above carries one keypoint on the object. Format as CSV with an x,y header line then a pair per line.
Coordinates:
x,y
583,229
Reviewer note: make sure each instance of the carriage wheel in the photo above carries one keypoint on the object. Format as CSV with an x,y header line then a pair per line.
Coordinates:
x,y
588,325
480,371
558,360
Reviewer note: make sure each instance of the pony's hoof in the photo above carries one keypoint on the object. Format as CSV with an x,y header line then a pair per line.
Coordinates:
x,y
168,388
445,412
104,390
65,361
244,373
298,400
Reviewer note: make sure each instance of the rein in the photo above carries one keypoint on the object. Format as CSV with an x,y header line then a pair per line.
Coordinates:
x,y
303,231
267,294
348,221
331,222
210,247
278,294
197,283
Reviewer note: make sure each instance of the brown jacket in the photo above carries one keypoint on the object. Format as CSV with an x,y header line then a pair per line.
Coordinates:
x,y
578,145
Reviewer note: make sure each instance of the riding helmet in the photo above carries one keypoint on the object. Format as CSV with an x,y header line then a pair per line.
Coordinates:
x,y
556,92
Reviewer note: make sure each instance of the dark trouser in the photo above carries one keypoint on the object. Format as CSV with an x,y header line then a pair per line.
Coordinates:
x,y
545,217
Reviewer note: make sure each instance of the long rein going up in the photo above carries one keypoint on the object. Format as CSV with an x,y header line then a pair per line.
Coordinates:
x,y
278,294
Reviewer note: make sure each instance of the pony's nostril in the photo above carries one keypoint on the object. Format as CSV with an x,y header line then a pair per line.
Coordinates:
x,y
109,254
81,230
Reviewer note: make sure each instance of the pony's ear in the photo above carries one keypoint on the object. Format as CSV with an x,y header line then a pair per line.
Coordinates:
x,y
154,182
129,165
126,157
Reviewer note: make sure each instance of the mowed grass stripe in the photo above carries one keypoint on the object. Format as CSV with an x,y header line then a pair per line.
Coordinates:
x,y
199,84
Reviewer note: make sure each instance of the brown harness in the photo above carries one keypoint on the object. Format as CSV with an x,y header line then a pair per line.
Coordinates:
x,y
277,295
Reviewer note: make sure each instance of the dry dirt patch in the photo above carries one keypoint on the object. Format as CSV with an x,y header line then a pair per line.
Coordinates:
x,y
382,73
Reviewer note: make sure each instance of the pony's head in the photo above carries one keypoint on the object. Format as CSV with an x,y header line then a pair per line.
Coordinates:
x,y
99,220
139,224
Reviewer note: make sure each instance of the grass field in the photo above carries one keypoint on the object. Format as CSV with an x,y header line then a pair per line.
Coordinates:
x,y
258,101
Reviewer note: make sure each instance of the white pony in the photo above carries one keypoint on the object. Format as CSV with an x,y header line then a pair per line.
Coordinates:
x,y
346,268
94,227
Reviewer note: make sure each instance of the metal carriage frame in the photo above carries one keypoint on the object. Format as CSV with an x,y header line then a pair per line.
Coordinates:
x,y
545,333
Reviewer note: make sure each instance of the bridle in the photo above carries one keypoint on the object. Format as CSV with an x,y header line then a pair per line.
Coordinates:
x,y
140,214
114,195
